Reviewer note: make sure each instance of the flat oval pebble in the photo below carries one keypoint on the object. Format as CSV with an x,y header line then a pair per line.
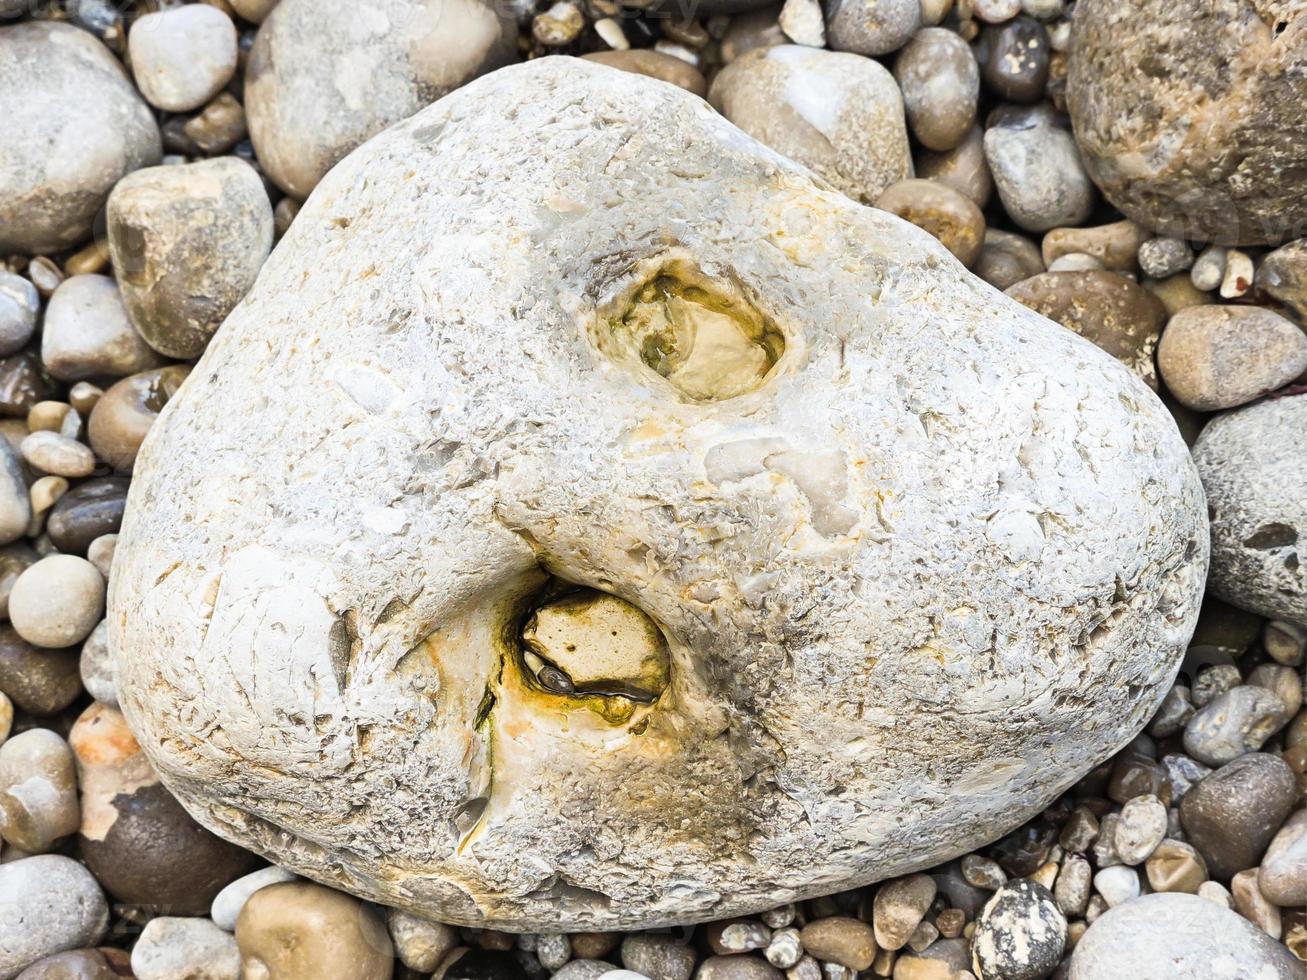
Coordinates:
x,y
1251,460
1166,937
839,114
1233,724
941,84
1055,523
74,125
843,940
51,904
1215,357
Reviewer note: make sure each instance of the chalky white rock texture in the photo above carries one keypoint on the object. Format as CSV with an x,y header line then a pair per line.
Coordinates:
x,y
933,566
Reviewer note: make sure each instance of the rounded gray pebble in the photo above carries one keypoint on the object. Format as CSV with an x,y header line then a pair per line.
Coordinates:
x,y
1235,723
1173,935
50,904
1037,169
871,27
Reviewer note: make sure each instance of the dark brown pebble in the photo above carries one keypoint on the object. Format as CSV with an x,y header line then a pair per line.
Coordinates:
x,y
40,682
87,511
1017,66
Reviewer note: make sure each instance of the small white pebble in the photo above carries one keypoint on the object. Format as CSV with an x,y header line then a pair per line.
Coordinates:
x,y
1117,884
1209,268
612,34
1238,278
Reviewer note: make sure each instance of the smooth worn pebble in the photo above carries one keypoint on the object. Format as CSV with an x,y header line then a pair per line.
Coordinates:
x,y
91,510
1175,866
740,967
87,334
1117,884
941,85
843,114
1020,934
1141,827
15,503
1282,876
51,904
1235,723
1173,936
172,948
1253,905
227,904
1016,69
57,601
182,56
39,681
1037,169
19,304
58,455
1231,815
1216,357
296,930
123,416
1113,245
76,964
38,790
839,939
871,27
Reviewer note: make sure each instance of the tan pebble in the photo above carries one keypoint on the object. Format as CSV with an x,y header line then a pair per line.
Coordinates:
x,y
654,64
1217,357
57,601
46,492
47,416
219,126
900,905
1177,293
1114,245
38,790
1285,642
123,415
1175,867
6,716
90,260
298,930
83,397
940,210
840,939
1074,262
1253,905
58,455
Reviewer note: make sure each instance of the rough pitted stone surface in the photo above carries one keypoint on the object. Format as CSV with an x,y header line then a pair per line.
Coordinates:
x,y
1252,460
913,575
1160,91
73,126
324,75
